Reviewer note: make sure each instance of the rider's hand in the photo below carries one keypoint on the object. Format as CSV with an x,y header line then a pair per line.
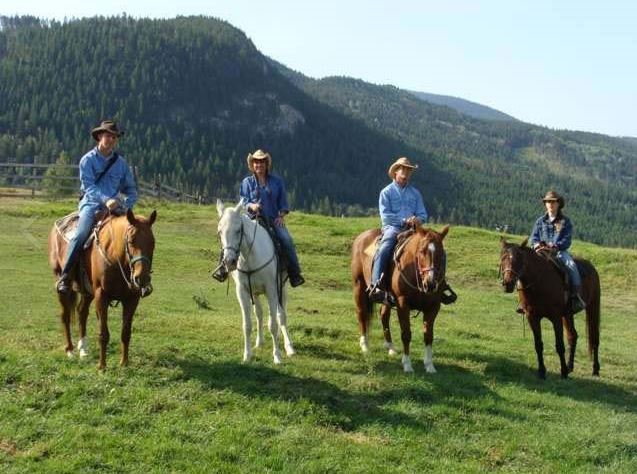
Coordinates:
x,y
279,221
254,207
413,221
112,204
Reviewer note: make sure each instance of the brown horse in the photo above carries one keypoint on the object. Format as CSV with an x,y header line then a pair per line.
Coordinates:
x,y
118,266
415,278
542,293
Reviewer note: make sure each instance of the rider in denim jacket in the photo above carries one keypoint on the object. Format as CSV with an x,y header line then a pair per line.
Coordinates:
x,y
554,230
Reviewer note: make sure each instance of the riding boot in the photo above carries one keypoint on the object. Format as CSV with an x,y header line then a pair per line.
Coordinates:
x,y
63,285
378,295
577,303
520,309
447,295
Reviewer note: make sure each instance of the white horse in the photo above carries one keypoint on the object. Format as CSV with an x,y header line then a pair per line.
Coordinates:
x,y
249,254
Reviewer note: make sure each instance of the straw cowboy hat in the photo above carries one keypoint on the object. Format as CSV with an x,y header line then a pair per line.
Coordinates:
x,y
398,163
259,155
106,126
552,196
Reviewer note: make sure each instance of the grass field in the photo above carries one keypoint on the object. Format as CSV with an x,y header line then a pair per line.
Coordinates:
x,y
186,403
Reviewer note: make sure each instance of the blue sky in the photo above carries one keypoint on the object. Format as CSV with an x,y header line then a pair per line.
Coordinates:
x,y
564,64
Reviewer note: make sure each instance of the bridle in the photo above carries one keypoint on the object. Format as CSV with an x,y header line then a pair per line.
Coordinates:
x,y
422,274
508,253
132,282
237,250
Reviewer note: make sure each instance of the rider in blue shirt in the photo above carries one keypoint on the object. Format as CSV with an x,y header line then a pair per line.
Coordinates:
x,y
554,230
104,174
263,196
401,206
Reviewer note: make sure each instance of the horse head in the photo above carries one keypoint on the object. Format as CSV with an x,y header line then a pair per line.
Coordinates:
x,y
512,263
230,231
430,256
139,245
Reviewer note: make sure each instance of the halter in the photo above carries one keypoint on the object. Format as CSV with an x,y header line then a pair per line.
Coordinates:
x,y
132,260
503,273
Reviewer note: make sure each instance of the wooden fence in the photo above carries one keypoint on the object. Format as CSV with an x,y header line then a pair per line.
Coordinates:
x,y
29,178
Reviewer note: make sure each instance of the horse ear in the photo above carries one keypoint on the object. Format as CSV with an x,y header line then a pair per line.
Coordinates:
x,y
238,208
443,232
220,207
130,216
503,241
153,216
524,242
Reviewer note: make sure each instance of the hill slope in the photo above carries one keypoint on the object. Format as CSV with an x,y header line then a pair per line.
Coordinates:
x,y
195,96
463,106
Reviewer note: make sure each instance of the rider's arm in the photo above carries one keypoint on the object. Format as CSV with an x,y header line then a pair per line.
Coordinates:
x,y
128,187
388,215
563,238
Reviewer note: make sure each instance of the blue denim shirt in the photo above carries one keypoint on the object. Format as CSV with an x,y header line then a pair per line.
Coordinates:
x,y
396,204
118,179
272,197
557,232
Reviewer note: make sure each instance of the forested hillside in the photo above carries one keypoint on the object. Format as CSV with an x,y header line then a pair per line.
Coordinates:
x,y
464,106
195,96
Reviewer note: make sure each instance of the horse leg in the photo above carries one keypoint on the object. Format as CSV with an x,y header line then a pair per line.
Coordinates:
x,y
67,307
571,337
534,323
363,313
558,329
273,325
83,310
428,332
128,311
405,333
101,307
244,301
258,314
282,316
385,313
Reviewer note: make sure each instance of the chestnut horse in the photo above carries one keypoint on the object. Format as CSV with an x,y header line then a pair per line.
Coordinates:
x,y
542,293
415,278
118,265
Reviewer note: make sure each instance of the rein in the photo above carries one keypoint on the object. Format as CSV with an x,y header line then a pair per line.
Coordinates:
x,y
420,285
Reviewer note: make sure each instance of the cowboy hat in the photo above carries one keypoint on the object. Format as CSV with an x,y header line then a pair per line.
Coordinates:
x,y
259,155
398,163
552,196
107,126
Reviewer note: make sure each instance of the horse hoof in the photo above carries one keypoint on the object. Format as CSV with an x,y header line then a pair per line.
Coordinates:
x,y
277,360
290,351
392,352
83,354
247,357
430,369
70,355
408,369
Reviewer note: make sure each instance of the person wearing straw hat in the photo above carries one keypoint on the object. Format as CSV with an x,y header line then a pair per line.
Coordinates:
x,y
104,176
401,206
264,197
554,231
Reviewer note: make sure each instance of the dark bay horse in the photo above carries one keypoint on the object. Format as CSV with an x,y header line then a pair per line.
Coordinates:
x,y
415,279
118,266
542,293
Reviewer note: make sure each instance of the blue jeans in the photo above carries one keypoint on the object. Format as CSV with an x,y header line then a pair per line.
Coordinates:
x,y
385,251
84,227
288,246
568,261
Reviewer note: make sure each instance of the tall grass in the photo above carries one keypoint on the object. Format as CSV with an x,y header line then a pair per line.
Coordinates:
x,y
187,404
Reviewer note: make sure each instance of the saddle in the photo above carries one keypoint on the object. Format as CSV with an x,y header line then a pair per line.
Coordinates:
x,y
66,228
278,248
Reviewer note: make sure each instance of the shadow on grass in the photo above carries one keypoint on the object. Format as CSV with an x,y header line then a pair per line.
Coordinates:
x,y
596,390
329,405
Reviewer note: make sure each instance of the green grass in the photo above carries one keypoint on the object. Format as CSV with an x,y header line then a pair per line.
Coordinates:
x,y
186,403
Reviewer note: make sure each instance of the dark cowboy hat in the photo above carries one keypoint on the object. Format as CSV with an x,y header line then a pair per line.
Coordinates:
x,y
106,126
552,196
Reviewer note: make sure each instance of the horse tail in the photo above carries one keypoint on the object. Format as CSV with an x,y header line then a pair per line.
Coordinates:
x,y
593,310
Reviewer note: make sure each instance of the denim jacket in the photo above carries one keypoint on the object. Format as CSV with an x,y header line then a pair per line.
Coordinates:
x,y
272,197
557,232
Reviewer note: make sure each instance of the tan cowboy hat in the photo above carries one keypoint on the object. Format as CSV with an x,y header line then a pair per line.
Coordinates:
x,y
552,196
259,155
106,126
398,163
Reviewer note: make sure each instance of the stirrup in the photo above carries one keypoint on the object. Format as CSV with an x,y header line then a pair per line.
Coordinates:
x,y
220,273
447,295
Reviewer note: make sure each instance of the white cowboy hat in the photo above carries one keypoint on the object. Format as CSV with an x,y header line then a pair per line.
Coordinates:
x,y
259,155
398,163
